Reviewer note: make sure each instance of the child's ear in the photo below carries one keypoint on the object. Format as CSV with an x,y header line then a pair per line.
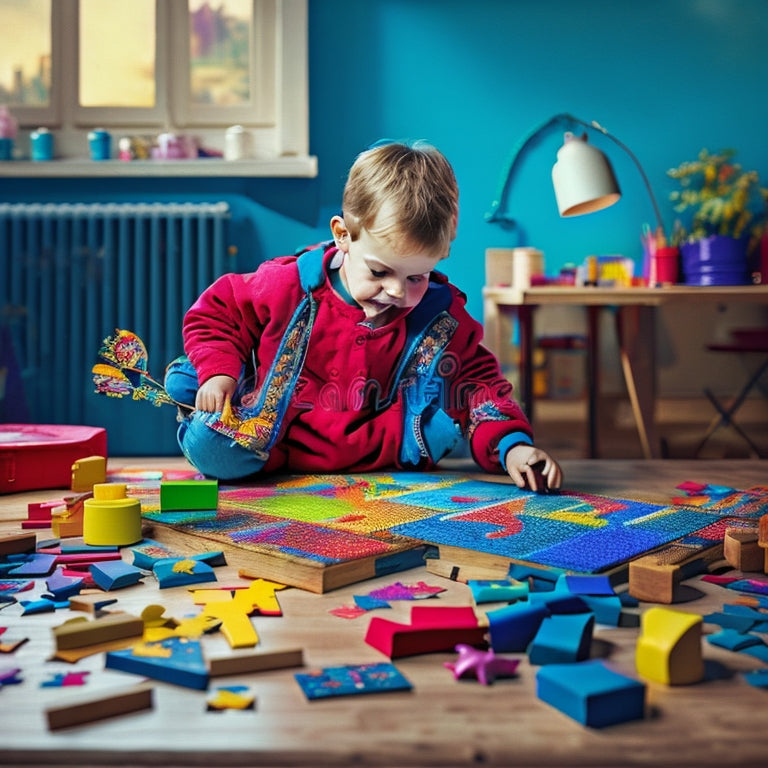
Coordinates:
x,y
340,233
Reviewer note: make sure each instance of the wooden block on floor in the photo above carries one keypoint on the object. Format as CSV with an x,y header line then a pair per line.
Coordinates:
x,y
99,706
653,577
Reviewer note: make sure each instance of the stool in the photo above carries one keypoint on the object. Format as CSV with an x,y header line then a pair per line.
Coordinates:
x,y
753,341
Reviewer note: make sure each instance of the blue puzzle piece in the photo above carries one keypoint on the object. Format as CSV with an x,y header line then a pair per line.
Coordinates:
x,y
115,574
591,693
182,571
34,565
733,640
176,660
63,587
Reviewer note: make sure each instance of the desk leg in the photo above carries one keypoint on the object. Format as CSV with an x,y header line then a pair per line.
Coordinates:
x,y
635,328
593,378
525,319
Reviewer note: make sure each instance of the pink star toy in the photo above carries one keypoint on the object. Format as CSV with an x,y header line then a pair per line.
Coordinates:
x,y
486,666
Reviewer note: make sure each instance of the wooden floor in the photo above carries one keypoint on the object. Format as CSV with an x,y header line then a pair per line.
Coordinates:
x,y
442,722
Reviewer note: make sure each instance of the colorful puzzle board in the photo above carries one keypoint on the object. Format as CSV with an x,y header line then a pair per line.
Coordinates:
x,y
328,521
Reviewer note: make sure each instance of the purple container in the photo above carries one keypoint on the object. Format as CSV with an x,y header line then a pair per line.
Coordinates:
x,y
715,260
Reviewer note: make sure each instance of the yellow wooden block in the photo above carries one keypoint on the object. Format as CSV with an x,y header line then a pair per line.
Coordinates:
x,y
87,472
669,647
111,518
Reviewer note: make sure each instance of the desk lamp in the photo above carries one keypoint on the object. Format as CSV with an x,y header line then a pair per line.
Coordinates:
x,y
583,178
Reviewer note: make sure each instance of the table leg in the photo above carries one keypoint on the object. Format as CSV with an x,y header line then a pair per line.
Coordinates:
x,y
525,320
593,379
636,331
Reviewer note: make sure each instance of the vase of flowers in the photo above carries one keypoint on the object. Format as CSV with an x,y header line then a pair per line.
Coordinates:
x,y
724,211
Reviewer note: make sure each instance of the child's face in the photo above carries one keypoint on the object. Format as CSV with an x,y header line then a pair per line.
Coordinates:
x,y
381,277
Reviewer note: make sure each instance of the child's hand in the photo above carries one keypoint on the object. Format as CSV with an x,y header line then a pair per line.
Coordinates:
x,y
214,393
520,467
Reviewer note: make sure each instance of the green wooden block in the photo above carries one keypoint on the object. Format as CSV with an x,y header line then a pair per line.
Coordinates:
x,y
178,495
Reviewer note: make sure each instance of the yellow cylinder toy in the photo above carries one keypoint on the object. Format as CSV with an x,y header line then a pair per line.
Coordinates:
x,y
111,518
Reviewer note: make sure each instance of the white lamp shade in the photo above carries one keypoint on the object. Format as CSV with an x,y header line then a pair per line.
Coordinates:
x,y
583,178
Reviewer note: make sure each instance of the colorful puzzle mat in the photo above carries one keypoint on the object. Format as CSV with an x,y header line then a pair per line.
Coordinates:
x,y
336,518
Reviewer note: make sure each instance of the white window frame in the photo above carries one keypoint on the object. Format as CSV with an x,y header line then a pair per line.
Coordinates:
x,y
279,127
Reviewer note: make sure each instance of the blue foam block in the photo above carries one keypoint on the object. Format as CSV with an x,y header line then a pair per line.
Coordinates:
x,y
591,693
562,638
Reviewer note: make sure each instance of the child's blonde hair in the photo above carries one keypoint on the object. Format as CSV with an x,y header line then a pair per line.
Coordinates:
x,y
414,184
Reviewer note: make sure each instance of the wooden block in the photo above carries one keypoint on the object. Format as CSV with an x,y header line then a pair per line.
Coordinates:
x,y
99,707
742,549
80,631
243,664
763,531
18,543
653,577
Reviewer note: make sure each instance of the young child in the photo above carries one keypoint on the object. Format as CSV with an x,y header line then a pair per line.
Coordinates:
x,y
356,355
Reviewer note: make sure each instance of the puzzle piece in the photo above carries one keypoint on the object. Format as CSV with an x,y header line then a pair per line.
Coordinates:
x,y
486,666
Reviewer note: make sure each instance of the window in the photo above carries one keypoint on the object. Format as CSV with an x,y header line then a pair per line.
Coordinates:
x,y
149,66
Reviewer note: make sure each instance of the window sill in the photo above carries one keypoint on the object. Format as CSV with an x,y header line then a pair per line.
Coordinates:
x,y
295,167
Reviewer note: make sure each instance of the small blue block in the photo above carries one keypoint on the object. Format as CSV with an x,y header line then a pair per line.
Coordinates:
x,y
513,627
590,693
562,639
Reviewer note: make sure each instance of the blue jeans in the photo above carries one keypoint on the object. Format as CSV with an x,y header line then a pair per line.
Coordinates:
x,y
212,453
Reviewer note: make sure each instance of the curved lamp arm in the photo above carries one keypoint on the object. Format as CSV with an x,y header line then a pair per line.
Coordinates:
x,y
497,214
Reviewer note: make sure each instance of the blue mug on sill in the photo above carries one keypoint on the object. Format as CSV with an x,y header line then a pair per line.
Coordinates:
x,y
41,143
6,148
100,144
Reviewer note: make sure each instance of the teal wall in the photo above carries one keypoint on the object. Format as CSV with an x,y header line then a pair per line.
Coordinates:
x,y
667,77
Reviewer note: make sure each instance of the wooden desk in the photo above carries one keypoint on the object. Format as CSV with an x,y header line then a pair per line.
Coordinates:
x,y
635,329
442,722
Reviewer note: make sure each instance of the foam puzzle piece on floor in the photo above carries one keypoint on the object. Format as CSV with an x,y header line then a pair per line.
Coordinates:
x,y
497,590
733,640
63,587
591,693
41,605
10,676
562,639
486,666
236,697
115,574
182,572
32,565
176,660
668,650
431,630
352,680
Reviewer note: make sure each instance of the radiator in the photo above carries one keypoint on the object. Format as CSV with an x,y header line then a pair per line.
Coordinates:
x,y
70,273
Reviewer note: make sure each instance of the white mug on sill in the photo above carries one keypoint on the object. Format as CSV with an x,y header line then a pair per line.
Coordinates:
x,y
237,143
